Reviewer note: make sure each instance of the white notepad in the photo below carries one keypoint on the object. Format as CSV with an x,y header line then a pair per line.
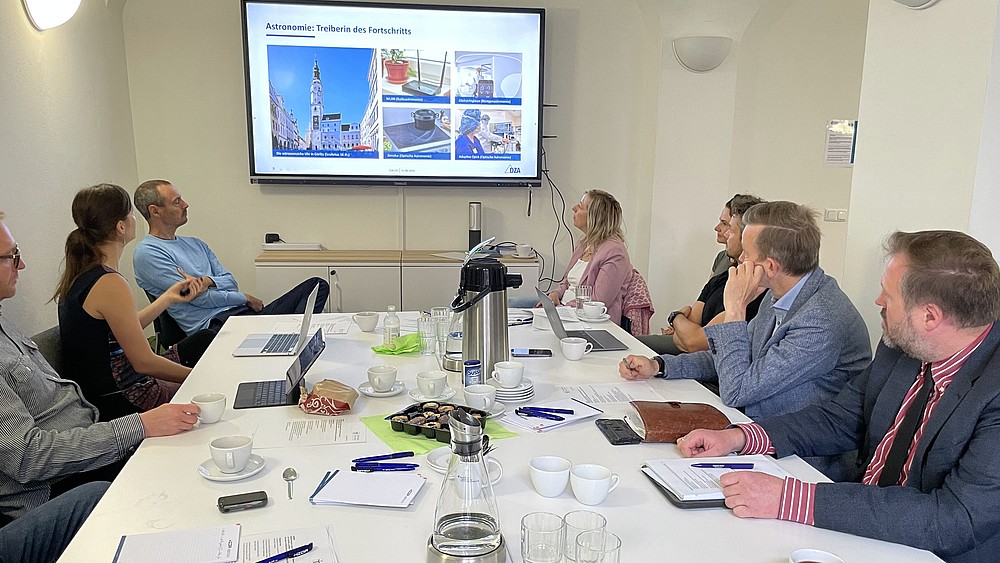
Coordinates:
x,y
220,544
693,483
395,489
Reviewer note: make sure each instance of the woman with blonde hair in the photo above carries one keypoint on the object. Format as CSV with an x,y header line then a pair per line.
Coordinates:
x,y
103,346
600,259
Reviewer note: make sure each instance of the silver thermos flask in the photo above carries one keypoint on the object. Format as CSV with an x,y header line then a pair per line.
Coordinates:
x,y
482,296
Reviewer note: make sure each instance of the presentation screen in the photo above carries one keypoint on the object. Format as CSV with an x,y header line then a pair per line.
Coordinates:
x,y
393,94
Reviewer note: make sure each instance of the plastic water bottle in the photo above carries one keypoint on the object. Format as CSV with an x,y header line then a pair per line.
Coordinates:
x,y
390,326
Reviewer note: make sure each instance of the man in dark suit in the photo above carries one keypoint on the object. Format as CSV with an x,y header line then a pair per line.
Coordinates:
x,y
925,415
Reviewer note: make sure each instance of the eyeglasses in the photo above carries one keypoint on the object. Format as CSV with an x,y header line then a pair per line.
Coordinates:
x,y
15,256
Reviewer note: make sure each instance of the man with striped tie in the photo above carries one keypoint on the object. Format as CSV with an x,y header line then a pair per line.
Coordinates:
x,y
925,415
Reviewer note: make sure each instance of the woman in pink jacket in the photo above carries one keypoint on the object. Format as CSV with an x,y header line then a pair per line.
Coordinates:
x,y
600,259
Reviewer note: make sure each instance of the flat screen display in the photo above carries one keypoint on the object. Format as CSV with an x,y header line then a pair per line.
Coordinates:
x,y
393,94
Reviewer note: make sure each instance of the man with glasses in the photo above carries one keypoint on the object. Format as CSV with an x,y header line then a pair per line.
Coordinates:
x,y
48,433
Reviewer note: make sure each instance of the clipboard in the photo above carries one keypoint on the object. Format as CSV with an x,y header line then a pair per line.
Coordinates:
x,y
685,504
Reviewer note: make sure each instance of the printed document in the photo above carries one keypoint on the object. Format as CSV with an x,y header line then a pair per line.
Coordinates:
x,y
695,483
257,547
314,431
611,393
336,325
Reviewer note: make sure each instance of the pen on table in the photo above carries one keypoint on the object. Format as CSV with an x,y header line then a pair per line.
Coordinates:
x,y
548,410
627,363
536,414
723,465
384,464
302,550
376,468
396,455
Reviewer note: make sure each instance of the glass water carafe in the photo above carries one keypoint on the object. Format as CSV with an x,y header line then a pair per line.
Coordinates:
x,y
466,521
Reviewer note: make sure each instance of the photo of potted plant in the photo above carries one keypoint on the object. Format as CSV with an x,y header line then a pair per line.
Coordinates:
x,y
396,66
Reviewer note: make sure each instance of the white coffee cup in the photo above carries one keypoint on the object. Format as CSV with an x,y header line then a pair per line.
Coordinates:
x,y
591,483
432,383
594,309
508,374
382,378
813,555
574,348
480,396
212,406
523,250
366,321
231,453
549,475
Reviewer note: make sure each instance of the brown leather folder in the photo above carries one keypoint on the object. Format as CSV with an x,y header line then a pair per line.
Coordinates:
x,y
665,421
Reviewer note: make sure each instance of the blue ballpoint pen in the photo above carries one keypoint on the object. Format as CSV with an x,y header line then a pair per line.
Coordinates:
x,y
723,465
548,410
374,468
289,554
396,455
384,464
536,414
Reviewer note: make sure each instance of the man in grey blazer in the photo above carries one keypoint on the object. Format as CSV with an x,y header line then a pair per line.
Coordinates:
x,y
804,344
925,415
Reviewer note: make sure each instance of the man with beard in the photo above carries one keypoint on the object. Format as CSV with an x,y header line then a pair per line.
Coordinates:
x,y
925,415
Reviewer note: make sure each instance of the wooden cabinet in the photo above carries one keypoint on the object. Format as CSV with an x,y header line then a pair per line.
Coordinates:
x,y
370,280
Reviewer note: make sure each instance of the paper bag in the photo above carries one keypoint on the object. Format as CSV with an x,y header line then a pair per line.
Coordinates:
x,y
665,421
329,398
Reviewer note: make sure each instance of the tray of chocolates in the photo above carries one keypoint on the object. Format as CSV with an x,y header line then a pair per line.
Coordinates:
x,y
430,419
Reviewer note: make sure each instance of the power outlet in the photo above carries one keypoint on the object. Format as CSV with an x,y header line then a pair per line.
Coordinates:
x,y
835,215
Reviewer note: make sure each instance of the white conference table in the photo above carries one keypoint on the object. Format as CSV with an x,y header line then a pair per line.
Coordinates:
x,y
160,489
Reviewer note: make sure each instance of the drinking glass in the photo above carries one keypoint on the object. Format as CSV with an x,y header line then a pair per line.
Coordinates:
x,y
542,537
442,322
598,546
427,327
577,522
584,294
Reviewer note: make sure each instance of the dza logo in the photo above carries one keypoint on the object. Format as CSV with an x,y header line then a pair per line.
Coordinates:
x,y
513,170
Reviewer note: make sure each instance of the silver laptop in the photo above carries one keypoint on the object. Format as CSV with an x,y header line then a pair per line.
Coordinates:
x,y
279,344
280,392
601,339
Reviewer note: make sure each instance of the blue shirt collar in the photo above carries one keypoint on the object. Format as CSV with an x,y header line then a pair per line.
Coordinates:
x,y
785,303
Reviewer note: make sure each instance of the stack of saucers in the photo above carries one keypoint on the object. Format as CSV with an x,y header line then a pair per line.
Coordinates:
x,y
522,392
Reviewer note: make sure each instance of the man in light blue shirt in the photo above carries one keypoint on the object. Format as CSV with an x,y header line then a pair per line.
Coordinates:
x,y
162,255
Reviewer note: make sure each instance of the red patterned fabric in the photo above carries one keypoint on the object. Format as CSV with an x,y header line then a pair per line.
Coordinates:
x,y
637,305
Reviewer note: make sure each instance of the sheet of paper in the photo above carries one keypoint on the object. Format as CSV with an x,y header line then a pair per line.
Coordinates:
x,y
460,256
256,547
391,489
567,314
201,545
611,393
338,325
581,411
695,483
314,431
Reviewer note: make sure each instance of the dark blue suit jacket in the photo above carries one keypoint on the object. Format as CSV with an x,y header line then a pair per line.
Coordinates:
x,y
951,504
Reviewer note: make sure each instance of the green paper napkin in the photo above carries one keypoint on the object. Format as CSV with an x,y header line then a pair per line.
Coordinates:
x,y
400,345
420,444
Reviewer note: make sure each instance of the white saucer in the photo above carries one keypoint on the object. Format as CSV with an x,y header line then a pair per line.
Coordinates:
x,y
210,471
522,256
366,389
496,410
599,319
519,399
525,385
416,396
439,459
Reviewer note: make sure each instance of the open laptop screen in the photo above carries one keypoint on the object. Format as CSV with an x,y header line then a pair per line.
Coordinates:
x,y
305,359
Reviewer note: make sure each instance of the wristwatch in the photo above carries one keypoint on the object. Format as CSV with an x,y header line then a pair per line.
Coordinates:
x,y
671,317
661,368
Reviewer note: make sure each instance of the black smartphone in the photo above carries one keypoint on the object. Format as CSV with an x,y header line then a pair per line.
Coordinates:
x,y
244,501
531,352
617,431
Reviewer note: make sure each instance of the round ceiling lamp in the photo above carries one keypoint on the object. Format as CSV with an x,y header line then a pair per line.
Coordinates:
x,y
701,53
46,14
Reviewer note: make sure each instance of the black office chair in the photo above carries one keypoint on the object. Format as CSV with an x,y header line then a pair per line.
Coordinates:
x,y
168,332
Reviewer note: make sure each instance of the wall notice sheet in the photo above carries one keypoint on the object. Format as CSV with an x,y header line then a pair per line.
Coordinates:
x,y
257,547
201,545
314,431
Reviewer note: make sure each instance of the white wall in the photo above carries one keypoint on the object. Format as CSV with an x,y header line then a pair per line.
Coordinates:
x,y
754,125
923,95
187,96
66,125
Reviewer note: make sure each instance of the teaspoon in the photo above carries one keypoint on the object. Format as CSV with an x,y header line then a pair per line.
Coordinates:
x,y
289,475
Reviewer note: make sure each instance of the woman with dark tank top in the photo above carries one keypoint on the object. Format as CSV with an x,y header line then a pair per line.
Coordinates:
x,y
103,345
